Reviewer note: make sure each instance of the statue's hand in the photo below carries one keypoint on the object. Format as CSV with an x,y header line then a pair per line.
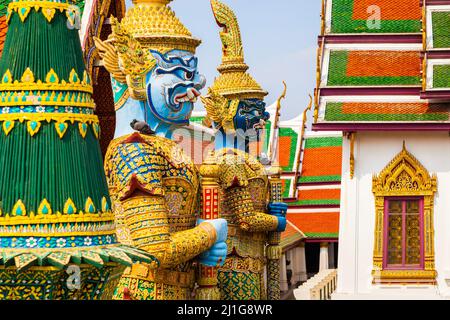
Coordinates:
x,y
279,210
221,226
217,254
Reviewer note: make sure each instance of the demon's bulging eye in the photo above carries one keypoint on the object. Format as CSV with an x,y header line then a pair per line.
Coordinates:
x,y
189,75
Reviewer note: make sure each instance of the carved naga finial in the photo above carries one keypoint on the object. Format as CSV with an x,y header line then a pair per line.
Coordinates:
x,y
233,51
234,82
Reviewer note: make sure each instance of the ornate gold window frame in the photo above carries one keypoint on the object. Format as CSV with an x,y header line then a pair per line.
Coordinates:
x,y
404,176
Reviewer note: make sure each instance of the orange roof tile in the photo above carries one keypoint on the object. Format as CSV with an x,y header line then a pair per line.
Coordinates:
x,y
383,63
325,161
319,194
3,29
316,225
290,230
390,10
391,108
285,150
256,147
290,235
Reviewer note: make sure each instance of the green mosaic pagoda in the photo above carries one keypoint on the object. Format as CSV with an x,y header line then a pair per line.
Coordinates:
x,y
54,203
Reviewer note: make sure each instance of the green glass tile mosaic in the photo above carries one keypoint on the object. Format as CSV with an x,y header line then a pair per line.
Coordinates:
x,y
441,29
323,142
441,76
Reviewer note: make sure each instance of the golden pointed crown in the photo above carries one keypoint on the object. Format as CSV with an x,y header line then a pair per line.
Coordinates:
x,y
234,81
155,26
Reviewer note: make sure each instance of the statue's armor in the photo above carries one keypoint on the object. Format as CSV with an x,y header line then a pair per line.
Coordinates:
x,y
245,188
154,187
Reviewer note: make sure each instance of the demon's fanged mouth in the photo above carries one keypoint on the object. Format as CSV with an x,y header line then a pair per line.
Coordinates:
x,y
191,95
260,125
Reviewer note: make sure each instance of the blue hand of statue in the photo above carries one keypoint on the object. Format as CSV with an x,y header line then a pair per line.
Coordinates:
x,y
217,254
279,210
221,226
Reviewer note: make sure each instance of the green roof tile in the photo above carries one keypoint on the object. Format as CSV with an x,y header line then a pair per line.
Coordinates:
x,y
441,29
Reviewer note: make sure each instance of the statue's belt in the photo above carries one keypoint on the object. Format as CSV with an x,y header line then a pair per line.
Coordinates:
x,y
164,276
240,264
235,231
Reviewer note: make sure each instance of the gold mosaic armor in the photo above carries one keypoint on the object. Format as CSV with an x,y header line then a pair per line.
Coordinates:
x,y
154,187
245,189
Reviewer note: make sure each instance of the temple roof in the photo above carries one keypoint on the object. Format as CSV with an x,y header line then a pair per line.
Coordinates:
x,y
315,210
291,236
385,74
322,160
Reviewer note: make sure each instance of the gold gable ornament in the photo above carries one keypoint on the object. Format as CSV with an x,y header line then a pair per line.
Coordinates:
x,y
404,176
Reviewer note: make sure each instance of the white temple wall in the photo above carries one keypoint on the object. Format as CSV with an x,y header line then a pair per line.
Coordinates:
x,y
373,151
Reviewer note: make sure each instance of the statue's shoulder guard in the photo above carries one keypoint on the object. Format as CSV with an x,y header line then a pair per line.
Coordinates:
x,y
141,162
237,168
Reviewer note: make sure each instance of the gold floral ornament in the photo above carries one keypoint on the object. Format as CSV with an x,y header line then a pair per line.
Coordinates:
x,y
52,82
220,110
149,25
234,83
125,59
48,8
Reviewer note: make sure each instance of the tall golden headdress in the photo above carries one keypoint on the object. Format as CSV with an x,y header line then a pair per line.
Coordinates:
x,y
150,24
233,83
155,26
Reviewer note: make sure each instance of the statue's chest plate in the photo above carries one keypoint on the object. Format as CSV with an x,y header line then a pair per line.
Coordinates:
x,y
159,168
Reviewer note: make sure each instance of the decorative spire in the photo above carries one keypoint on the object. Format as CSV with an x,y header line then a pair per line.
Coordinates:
x,y
155,26
234,81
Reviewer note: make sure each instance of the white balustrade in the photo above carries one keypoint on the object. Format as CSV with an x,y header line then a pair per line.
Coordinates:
x,y
319,287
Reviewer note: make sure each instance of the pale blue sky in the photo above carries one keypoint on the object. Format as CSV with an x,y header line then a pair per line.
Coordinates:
x,y
280,42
